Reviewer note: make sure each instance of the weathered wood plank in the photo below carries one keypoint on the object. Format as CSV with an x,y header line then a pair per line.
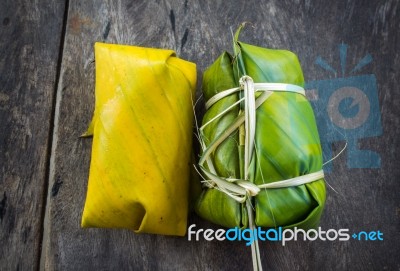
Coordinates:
x,y
368,199
30,34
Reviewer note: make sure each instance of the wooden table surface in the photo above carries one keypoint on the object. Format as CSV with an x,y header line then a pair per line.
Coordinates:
x,y
46,102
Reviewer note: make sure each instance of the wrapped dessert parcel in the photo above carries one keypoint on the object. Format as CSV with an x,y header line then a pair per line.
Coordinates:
x,y
261,156
142,140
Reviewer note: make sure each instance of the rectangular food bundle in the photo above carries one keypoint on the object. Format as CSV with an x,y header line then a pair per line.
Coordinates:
x,y
142,140
262,158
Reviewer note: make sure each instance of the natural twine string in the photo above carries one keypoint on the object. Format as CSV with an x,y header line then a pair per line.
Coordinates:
x,y
242,190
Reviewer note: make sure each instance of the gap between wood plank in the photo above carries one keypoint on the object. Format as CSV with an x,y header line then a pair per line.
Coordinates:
x,y
52,141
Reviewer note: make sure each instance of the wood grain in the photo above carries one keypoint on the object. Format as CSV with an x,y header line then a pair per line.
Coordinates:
x,y
367,199
30,35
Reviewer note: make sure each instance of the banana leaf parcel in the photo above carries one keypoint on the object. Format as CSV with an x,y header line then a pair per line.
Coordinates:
x,y
261,156
142,140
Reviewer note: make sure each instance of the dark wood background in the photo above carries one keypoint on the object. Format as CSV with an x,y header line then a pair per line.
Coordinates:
x,y
46,102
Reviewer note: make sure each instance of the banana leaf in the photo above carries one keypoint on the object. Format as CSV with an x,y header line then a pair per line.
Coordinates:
x,y
286,143
142,140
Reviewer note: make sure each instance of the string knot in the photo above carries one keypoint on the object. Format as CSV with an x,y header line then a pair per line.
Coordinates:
x,y
243,80
251,189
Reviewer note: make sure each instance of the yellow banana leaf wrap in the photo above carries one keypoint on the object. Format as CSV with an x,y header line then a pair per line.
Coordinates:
x,y
142,140
286,139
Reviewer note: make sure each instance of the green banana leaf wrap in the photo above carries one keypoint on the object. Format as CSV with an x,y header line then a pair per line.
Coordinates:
x,y
286,143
